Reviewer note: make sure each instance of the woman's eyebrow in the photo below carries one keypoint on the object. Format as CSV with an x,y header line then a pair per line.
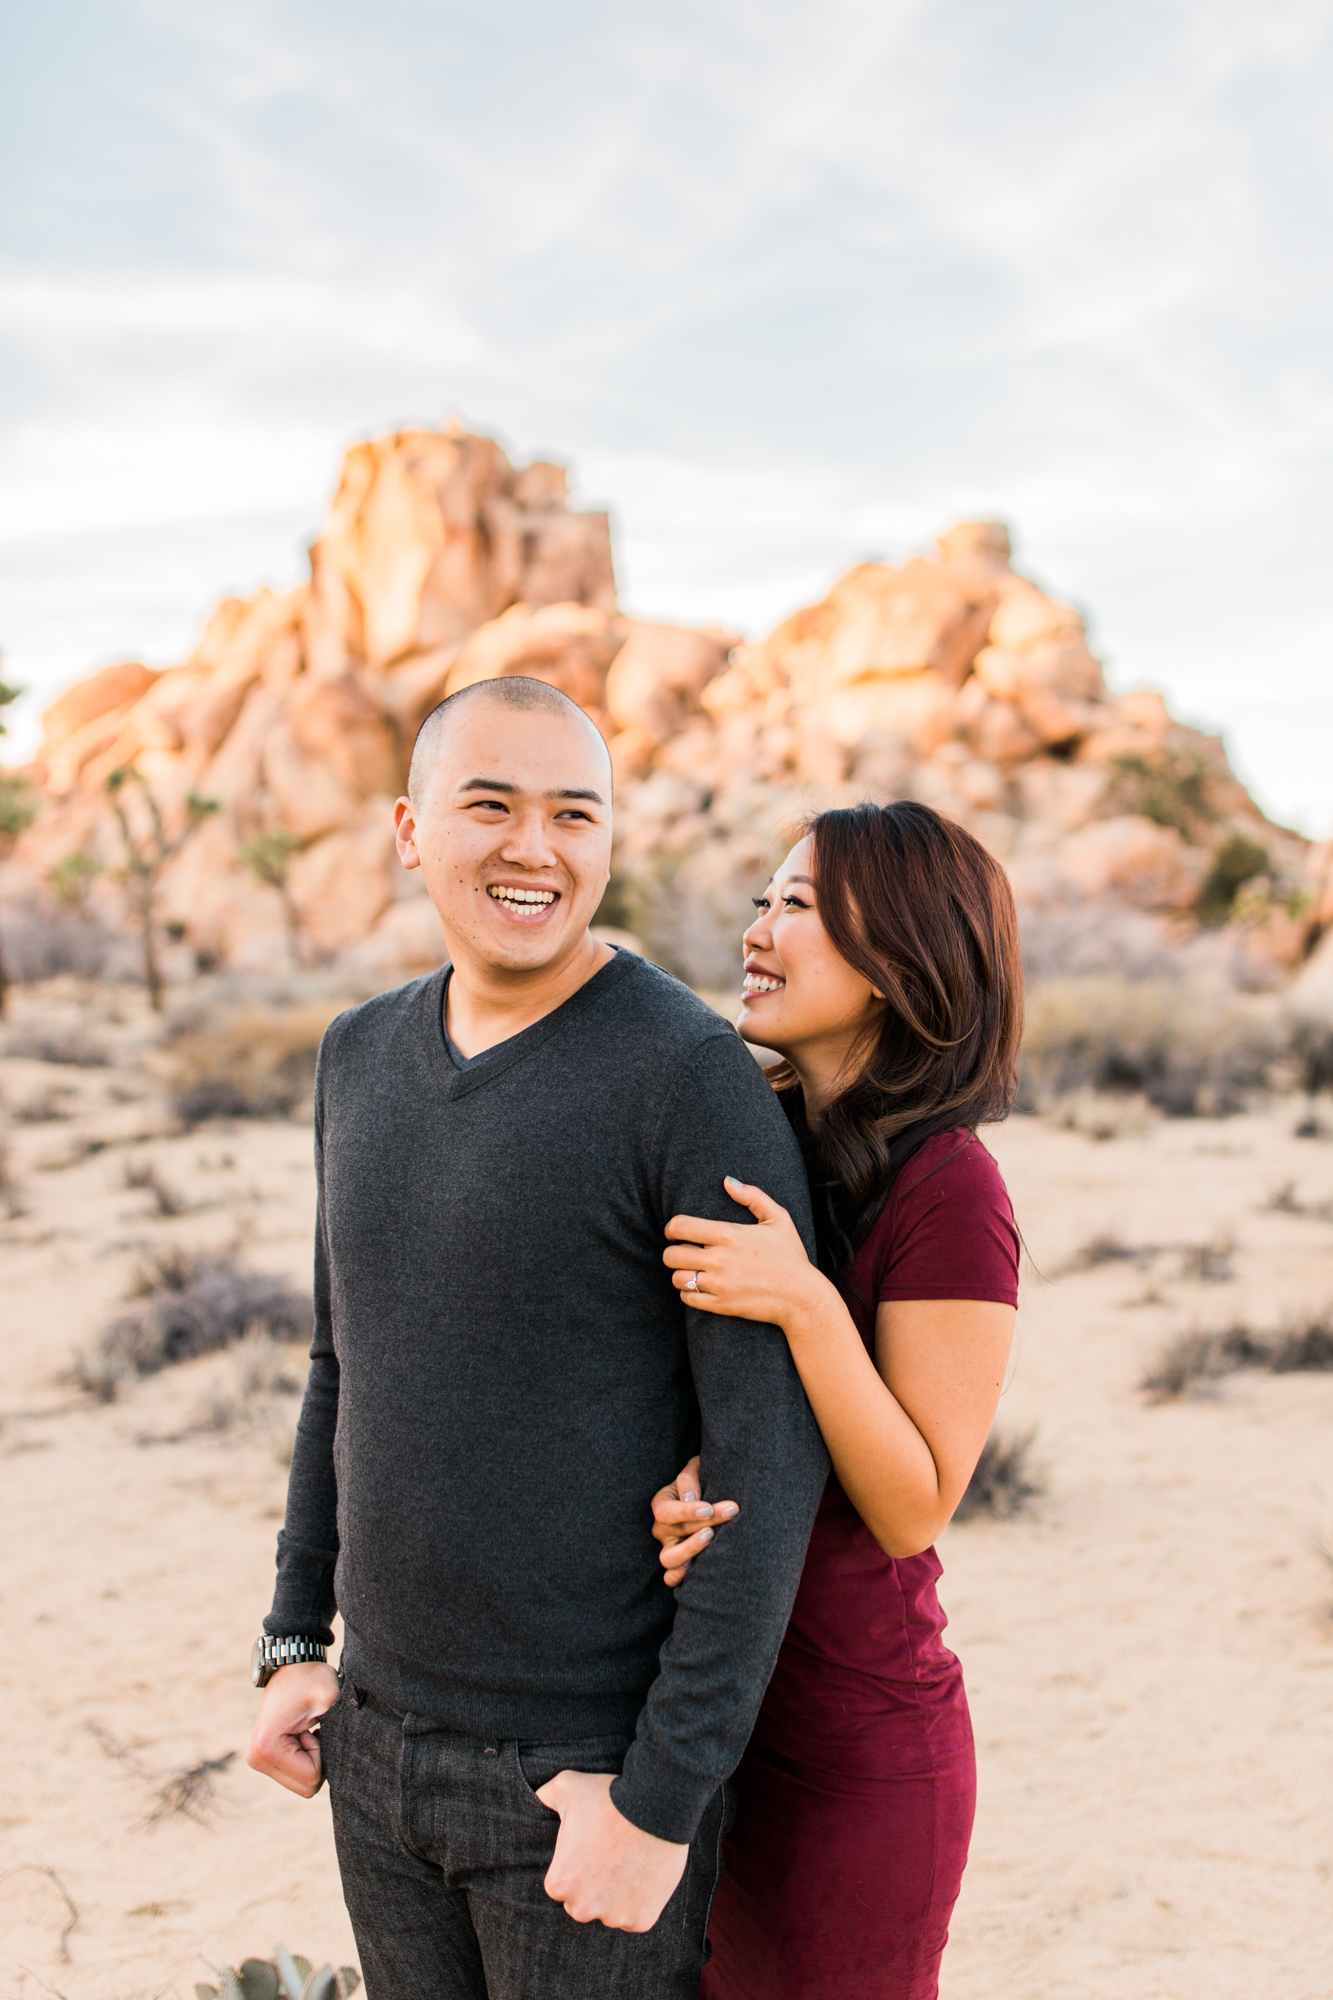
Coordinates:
x,y
802,878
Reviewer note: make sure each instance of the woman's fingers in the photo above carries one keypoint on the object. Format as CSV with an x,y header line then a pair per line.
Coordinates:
x,y
689,1485
669,1512
686,1551
761,1206
679,1519
685,1257
698,1229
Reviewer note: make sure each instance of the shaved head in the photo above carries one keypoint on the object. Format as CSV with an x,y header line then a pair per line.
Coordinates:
x,y
510,691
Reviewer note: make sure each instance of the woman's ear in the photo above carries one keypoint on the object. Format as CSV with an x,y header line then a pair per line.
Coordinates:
x,y
876,994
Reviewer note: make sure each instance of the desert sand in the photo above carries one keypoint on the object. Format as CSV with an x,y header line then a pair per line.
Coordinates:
x,y
1149,1649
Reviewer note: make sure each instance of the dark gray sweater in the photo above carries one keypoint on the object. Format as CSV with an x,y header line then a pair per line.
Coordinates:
x,y
503,1375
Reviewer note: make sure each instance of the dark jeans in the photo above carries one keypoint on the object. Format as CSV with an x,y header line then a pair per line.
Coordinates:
x,y
443,1846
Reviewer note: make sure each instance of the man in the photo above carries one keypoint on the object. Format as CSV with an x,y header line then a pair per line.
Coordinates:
x,y
531,1729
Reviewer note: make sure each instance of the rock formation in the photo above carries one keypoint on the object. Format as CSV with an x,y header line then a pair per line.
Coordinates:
x,y
947,678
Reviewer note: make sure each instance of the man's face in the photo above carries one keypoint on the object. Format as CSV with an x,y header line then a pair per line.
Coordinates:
x,y
512,834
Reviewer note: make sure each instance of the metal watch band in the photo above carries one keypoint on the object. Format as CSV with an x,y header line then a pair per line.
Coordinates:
x,y
270,1653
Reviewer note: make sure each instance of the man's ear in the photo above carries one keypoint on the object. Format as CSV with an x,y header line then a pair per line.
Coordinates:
x,y
405,829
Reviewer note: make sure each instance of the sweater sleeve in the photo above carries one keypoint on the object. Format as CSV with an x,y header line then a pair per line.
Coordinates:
x,y
303,1602
760,1445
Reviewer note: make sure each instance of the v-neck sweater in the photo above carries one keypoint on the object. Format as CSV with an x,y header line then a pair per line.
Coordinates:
x,y
503,1375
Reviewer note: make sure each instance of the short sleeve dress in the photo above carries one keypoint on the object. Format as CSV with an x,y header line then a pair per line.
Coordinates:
x,y
855,1797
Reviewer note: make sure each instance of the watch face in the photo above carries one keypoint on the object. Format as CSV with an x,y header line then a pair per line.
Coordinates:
x,y
257,1663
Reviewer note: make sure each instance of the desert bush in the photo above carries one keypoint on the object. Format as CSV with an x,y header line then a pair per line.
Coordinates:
x,y
191,1303
11,1193
257,1064
261,1378
43,938
1193,1358
145,1175
286,1976
1171,788
1236,862
1189,1049
1105,1247
1005,1481
70,1046
45,1107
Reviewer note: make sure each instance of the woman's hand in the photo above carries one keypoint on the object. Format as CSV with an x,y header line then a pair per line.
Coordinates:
x,y
679,1518
740,1271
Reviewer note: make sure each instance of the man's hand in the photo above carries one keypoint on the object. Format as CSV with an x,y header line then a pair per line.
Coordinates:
x,y
604,1868
284,1745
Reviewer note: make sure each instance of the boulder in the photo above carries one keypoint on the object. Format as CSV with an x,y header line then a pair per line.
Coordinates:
x,y
89,700
570,646
946,677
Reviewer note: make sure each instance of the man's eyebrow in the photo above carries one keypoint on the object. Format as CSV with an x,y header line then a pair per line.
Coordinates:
x,y
503,785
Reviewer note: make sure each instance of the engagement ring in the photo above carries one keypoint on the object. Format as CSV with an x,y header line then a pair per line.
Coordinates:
x,y
691,1283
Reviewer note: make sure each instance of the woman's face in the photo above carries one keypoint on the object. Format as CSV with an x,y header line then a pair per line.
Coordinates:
x,y
801,996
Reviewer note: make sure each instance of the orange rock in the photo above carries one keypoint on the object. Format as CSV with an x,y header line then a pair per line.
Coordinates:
x,y
1146,865
90,699
656,679
568,645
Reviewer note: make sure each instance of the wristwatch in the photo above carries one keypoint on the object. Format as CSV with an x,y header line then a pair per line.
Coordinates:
x,y
268,1654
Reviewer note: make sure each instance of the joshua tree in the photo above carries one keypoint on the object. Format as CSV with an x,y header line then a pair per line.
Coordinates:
x,y
269,858
18,809
147,853
72,877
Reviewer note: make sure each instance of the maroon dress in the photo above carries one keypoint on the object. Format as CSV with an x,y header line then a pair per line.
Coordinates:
x,y
856,1794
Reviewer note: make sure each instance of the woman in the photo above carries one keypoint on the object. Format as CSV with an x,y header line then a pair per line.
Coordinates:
x,y
883,967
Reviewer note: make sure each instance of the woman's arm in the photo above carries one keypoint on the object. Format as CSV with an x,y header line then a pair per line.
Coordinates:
x,y
904,1429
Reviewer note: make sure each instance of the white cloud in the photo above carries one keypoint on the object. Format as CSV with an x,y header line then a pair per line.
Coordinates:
x,y
787,281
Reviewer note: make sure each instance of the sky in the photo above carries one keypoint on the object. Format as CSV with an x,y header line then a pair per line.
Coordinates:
x,y
787,283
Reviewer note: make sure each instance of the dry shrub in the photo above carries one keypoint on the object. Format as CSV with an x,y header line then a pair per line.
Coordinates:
x,y
286,1976
71,1046
45,1107
1193,1359
1005,1481
192,1303
146,1177
1106,1248
11,1192
1189,1049
261,1379
257,1064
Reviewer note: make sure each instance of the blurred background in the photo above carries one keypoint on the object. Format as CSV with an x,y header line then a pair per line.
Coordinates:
x,y
786,285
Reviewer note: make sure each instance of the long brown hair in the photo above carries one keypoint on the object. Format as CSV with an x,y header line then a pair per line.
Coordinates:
x,y
916,904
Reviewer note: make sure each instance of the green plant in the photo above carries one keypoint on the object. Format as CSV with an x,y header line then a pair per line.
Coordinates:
x,y
71,879
18,809
148,849
285,1976
1236,862
1171,788
269,858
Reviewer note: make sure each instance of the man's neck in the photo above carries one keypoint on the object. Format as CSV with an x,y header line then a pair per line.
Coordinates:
x,y
486,1004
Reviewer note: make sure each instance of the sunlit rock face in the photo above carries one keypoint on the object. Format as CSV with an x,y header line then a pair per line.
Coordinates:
x,y
948,679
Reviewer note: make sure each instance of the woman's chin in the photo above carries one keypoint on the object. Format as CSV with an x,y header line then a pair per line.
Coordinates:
x,y
752,1028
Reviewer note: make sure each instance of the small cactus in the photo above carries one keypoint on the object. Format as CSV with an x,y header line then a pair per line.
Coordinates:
x,y
286,1976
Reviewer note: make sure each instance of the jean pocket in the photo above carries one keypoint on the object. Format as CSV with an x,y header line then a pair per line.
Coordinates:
x,y
538,1763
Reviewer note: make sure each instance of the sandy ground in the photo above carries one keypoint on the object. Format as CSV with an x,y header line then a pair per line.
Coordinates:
x,y
1149,1652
